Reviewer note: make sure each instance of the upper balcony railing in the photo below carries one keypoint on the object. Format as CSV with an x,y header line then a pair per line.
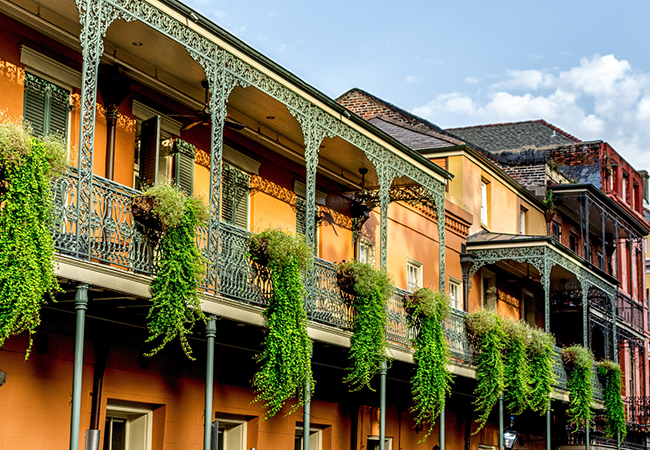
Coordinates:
x,y
116,241
629,311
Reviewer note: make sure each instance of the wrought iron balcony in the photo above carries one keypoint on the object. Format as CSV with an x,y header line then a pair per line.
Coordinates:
x,y
116,241
637,411
629,311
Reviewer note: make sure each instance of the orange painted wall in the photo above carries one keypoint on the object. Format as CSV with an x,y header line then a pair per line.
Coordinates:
x,y
11,72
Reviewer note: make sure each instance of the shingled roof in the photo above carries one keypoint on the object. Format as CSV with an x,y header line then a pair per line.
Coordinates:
x,y
417,138
510,136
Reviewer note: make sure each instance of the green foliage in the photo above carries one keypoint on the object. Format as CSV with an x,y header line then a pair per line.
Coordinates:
x,y
516,394
175,301
171,205
368,344
274,244
578,361
26,245
431,383
488,338
610,373
540,354
285,359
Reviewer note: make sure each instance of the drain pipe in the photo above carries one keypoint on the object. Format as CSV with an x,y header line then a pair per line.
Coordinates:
x,y
80,304
102,348
210,334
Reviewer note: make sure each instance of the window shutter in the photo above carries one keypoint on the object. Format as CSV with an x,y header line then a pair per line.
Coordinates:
x,y
59,107
235,188
149,149
301,210
34,106
184,165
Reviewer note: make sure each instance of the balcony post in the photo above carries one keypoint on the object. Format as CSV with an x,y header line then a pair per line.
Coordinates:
x,y
306,417
584,287
587,248
382,405
80,304
440,213
210,334
548,426
442,428
95,18
501,447
546,284
587,437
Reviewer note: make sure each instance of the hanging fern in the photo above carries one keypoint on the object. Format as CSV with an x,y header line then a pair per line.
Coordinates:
x,y
26,244
431,384
540,354
174,297
578,361
516,386
285,359
488,337
610,373
368,343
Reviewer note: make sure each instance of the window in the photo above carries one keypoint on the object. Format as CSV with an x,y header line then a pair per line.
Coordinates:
x,y
413,275
522,221
127,427
489,290
315,438
484,203
231,433
46,107
626,191
235,194
557,231
573,241
456,293
366,251
373,443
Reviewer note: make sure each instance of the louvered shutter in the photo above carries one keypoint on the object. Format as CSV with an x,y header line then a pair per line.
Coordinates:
x,y
149,149
59,107
34,104
301,216
184,165
235,192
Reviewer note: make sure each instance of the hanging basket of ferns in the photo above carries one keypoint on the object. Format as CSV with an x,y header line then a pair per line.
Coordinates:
x,y
143,208
345,278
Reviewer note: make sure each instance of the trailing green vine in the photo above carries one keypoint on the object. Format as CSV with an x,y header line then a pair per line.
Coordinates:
x,y
175,303
540,354
372,288
488,337
610,373
431,384
286,355
27,262
516,371
578,361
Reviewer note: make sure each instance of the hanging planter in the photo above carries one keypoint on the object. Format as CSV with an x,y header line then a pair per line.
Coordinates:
x,y
27,262
610,373
541,359
370,290
143,208
516,373
285,364
431,384
578,362
345,280
175,304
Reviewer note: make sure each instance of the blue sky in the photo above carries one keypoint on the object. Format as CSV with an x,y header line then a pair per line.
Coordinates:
x,y
582,66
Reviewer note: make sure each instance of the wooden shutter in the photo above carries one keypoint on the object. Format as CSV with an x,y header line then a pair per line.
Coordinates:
x,y
184,165
235,192
34,104
301,210
59,107
149,149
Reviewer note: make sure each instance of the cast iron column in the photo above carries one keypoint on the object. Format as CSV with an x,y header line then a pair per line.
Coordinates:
x,y
442,428
501,421
210,333
382,405
306,419
80,304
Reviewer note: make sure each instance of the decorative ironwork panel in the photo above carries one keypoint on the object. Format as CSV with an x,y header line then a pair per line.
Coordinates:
x,y
558,370
629,311
239,279
460,347
532,255
332,307
397,330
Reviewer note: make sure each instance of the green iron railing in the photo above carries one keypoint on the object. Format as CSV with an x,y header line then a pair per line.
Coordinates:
x,y
115,239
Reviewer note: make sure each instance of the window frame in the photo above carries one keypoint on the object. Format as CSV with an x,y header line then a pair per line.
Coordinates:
x,y
126,412
523,213
418,266
365,242
459,300
485,200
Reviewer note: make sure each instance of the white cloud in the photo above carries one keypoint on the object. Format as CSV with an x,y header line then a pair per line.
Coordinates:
x,y
602,98
471,80
412,79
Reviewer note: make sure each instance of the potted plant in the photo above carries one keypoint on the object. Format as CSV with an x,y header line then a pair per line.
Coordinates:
x,y
286,350
431,384
26,246
175,304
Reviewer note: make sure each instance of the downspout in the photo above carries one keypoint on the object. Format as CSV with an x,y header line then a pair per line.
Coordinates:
x,y
80,304
112,113
102,348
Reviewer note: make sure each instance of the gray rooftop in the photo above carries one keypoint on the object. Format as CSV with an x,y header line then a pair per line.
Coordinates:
x,y
415,137
536,133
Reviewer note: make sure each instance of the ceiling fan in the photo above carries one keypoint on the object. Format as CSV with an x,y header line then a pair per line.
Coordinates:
x,y
203,115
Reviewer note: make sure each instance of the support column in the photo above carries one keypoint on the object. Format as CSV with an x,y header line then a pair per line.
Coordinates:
x,y
585,313
548,426
442,428
382,405
210,334
587,247
306,417
440,213
80,305
501,447
587,437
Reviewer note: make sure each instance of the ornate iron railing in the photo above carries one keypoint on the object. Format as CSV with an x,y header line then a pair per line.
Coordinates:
x,y
629,311
115,239
637,410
